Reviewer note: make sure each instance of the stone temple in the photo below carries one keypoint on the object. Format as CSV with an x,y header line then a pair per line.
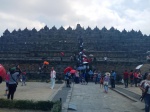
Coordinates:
x,y
111,49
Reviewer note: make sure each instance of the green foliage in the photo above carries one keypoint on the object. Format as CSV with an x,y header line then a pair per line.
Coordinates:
x,y
56,107
6,103
44,105
24,104
31,105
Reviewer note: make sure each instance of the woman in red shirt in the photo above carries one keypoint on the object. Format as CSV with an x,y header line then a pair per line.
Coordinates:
x,y
126,77
131,74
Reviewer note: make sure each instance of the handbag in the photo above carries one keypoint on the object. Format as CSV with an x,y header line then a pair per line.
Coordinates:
x,y
122,81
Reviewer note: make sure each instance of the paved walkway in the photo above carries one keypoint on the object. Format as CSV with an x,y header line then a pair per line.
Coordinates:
x,y
91,98
83,98
32,91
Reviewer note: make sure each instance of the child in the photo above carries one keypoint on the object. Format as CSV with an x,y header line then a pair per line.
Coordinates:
x,y
7,83
101,81
106,82
23,75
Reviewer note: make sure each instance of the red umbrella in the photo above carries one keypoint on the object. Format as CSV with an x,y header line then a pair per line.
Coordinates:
x,y
68,69
2,72
73,71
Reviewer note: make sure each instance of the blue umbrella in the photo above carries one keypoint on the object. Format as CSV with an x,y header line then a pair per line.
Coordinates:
x,y
90,72
80,68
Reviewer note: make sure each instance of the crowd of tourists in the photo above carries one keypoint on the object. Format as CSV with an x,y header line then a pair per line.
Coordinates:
x,y
134,78
81,77
139,80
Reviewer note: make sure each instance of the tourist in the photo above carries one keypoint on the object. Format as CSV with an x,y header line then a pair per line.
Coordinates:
x,y
53,77
67,78
126,77
139,77
101,81
96,77
7,83
131,75
77,77
135,78
13,73
17,68
83,78
23,77
113,78
106,82
40,69
145,87
86,78
99,76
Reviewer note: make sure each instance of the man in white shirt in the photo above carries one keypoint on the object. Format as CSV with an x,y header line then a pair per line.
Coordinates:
x,y
52,76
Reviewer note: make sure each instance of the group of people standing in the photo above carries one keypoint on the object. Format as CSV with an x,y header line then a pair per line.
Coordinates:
x,y
139,80
105,79
77,77
134,77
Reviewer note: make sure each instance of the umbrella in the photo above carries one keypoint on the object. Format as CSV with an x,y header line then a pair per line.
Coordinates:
x,y
46,63
68,69
2,73
90,72
85,59
85,62
91,55
80,68
139,66
95,73
73,71
84,55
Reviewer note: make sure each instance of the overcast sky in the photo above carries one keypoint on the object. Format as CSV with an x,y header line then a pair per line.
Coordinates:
x,y
121,14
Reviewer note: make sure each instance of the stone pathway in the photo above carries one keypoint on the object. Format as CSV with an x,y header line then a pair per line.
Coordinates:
x,y
91,98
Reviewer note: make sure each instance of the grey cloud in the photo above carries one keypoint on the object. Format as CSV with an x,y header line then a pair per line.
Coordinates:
x,y
120,14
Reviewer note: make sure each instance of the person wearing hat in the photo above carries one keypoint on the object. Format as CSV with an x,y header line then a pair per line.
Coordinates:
x,y
106,82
